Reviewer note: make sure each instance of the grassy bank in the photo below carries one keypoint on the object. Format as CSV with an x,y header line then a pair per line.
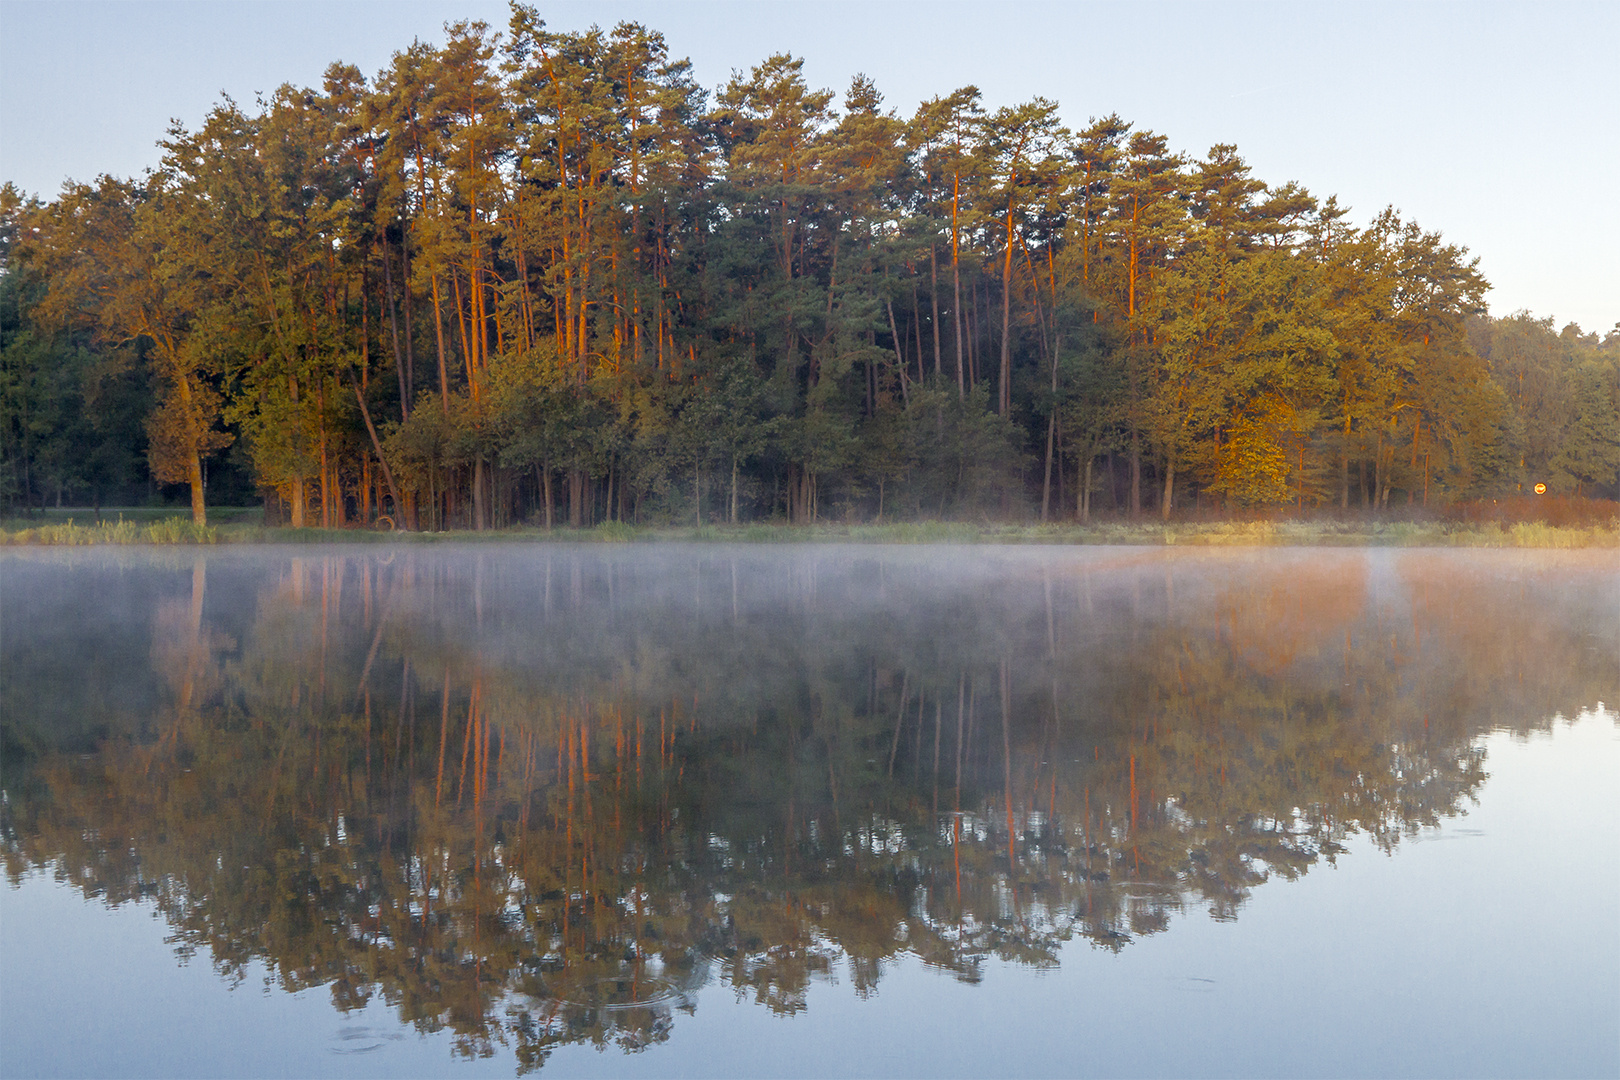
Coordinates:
x,y
164,530
1531,534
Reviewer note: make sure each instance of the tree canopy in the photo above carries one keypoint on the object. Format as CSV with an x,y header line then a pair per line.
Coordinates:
x,y
530,274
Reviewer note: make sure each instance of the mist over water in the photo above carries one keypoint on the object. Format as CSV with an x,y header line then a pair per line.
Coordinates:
x,y
509,802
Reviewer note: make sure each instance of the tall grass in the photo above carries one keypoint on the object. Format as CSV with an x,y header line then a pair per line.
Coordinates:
x,y
169,530
1258,533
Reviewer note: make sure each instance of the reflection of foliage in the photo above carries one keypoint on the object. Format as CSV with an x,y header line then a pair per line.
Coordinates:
x,y
545,800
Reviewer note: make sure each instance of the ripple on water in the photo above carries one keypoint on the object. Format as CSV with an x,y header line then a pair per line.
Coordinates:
x,y
362,1039
1195,984
614,993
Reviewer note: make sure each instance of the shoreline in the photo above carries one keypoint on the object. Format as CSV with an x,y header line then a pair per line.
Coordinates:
x,y
179,531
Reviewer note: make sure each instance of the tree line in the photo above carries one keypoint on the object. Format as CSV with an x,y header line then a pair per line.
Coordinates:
x,y
543,276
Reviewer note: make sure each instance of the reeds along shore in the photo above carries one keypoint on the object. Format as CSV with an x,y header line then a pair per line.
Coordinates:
x,y
1260,532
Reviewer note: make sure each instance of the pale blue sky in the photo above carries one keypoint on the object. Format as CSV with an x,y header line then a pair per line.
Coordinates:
x,y
1492,123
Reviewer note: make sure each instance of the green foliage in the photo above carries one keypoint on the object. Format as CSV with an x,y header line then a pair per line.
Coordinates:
x,y
529,273
1253,466
71,416
1561,403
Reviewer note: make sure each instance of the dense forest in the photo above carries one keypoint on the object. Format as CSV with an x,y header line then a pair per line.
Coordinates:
x,y
541,276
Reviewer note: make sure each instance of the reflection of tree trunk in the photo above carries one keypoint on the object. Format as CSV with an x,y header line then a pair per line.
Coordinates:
x,y
1133,794
900,717
1006,772
466,749
444,727
961,712
194,644
939,724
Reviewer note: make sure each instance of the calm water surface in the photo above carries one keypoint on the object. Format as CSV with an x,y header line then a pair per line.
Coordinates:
x,y
805,811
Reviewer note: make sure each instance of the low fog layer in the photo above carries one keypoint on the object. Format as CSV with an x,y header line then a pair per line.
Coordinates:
x,y
608,776
742,626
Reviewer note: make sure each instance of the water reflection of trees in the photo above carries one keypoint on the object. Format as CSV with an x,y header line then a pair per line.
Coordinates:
x,y
545,798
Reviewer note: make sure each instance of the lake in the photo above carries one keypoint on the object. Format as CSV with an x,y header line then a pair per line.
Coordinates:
x,y
809,810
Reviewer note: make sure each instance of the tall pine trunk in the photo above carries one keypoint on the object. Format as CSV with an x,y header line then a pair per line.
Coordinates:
x,y
1136,471
393,324
1005,387
933,299
1169,485
545,492
438,330
1085,493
